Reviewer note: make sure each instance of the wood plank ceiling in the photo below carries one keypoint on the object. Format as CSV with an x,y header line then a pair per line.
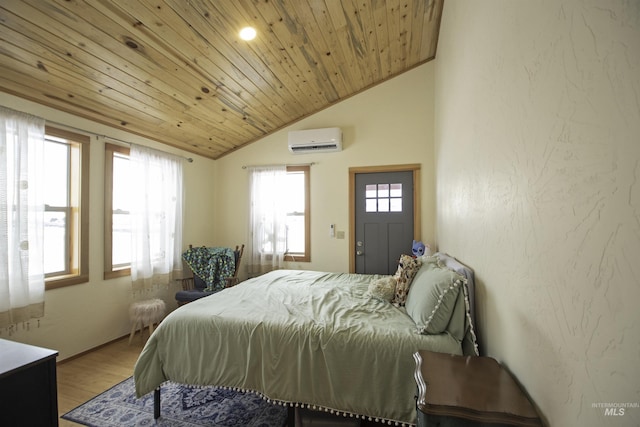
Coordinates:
x,y
175,71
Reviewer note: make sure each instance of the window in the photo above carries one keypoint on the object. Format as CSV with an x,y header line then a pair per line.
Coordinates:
x,y
117,236
66,217
297,209
383,197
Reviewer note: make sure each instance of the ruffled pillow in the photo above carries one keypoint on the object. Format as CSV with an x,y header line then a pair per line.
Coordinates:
x,y
432,298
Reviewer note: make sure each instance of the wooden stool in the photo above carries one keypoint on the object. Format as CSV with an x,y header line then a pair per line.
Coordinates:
x,y
145,313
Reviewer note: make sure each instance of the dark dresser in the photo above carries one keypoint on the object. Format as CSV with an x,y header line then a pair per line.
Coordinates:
x,y
28,389
469,391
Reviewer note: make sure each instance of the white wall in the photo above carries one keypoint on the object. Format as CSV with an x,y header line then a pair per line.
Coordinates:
x,y
80,317
391,123
538,166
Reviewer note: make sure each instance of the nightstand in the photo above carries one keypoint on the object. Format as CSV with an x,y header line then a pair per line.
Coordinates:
x,y
28,388
469,391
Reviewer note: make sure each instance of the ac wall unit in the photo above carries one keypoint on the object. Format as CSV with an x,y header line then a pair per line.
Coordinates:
x,y
315,140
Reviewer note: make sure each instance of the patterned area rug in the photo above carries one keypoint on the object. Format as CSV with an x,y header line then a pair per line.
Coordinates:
x,y
181,406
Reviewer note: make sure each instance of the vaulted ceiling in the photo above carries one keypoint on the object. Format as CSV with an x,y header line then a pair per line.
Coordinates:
x,y
176,71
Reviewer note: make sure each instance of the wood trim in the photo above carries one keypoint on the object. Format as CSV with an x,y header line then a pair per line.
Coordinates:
x,y
384,168
123,272
68,280
306,257
145,82
92,349
65,134
79,215
108,207
417,202
417,218
85,176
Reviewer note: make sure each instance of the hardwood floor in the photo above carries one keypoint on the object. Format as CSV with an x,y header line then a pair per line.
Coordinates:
x,y
84,377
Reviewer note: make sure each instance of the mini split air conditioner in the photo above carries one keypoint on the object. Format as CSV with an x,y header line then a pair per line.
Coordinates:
x,y
315,140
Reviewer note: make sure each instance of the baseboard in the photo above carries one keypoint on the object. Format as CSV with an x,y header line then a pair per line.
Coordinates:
x,y
75,356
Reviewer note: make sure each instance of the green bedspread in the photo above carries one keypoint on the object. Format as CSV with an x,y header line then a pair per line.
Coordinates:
x,y
295,336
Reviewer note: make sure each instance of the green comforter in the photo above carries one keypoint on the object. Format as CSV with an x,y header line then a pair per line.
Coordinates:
x,y
295,336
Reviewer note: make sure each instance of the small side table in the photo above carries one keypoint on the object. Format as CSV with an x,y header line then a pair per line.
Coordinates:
x,y
469,391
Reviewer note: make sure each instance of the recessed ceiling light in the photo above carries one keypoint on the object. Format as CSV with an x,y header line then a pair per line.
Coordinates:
x,y
248,33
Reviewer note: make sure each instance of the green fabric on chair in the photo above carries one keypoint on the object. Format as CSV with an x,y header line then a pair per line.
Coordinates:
x,y
214,268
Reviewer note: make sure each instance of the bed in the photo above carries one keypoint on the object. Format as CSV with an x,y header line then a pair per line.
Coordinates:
x,y
315,339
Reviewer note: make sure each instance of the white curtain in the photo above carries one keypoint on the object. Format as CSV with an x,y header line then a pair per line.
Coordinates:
x,y
156,217
267,219
21,217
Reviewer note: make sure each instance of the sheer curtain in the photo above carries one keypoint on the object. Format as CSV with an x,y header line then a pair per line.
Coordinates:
x,y
21,217
156,217
267,218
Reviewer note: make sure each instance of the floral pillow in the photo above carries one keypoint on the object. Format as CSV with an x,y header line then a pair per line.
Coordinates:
x,y
408,266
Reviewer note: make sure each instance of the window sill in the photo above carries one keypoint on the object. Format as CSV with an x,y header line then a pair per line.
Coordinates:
x,y
117,273
297,257
62,281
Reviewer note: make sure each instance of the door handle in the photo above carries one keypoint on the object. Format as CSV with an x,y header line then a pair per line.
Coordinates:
x,y
359,253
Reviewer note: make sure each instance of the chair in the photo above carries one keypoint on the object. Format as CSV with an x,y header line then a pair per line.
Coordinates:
x,y
196,287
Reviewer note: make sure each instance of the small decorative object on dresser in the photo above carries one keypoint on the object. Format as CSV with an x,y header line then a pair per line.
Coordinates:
x,y
456,391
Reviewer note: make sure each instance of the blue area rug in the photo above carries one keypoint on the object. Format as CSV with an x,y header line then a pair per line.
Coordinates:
x,y
181,406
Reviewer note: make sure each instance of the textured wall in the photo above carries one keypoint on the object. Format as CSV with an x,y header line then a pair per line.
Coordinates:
x,y
538,189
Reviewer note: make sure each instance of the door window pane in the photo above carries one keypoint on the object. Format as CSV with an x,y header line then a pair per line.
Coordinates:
x,y
383,190
396,190
383,198
383,205
396,205
371,190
